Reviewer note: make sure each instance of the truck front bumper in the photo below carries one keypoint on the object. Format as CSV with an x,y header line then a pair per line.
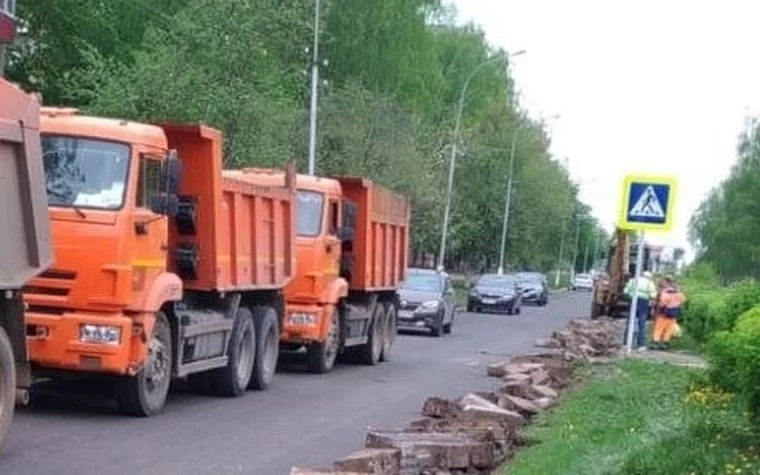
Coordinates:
x,y
61,342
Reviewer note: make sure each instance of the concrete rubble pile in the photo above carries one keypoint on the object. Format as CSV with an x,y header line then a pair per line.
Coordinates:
x,y
477,433
585,339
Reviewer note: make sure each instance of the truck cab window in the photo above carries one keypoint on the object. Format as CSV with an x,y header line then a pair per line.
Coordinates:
x,y
309,209
148,181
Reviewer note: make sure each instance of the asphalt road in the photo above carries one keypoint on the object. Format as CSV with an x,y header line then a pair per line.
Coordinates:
x,y
302,420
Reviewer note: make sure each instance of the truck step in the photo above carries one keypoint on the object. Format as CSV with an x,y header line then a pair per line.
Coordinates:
x,y
202,365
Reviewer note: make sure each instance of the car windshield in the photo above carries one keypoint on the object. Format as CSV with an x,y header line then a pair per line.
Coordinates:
x,y
82,172
425,282
496,281
532,278
309,213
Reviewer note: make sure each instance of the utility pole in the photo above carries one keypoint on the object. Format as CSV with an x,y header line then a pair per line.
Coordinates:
x,y
510,182
596,248
561,241
577,242
455,141
314,93
509,198
585,256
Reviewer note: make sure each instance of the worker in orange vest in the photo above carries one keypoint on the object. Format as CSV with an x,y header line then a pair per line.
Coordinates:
x,y
668,309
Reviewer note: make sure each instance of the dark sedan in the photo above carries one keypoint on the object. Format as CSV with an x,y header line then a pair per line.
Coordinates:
x,y
427,301
495,292
534,287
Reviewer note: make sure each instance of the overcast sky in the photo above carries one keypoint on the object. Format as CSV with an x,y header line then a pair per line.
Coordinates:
x,y
656,87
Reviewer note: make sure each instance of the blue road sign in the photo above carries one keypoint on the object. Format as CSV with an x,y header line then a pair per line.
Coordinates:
x,y
647,203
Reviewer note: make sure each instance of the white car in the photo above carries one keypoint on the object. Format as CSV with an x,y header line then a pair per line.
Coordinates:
x,y
583,282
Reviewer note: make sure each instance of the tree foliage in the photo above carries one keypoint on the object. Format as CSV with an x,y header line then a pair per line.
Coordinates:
x,y
726,226
392,70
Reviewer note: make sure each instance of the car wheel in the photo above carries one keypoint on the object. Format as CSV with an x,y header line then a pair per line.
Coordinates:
x,y
518,310
437,329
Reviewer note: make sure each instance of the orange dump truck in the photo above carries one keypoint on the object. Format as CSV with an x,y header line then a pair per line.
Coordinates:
x,y
25,249
352,250
165,267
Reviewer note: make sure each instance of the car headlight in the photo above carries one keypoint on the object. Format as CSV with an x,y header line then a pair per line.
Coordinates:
x,y
430,305
102,334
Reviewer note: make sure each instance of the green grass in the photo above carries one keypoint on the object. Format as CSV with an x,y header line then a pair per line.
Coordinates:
x,y
637,417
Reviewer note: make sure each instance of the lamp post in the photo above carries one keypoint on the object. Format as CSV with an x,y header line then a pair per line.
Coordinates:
x,y
503,249
452,159
575,250
314,93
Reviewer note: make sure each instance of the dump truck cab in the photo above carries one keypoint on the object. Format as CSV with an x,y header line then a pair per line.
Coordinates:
x,y
110,247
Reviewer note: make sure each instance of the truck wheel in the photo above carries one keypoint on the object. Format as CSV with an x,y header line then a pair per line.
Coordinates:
x,y
233,379
267,347
369,353
145,393
7,384
321,356
391,329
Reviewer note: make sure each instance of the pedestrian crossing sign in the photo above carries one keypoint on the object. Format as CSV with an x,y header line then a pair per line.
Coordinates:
x,y
647,203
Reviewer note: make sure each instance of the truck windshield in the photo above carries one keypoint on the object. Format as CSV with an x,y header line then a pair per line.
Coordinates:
x,y
82,172
309,213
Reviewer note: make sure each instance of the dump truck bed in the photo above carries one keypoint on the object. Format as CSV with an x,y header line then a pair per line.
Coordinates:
x,y
26,248
242,234
381,244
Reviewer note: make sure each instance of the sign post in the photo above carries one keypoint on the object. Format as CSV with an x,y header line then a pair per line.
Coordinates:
x,y
647,204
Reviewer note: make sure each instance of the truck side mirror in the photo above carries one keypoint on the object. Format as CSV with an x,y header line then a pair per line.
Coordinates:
x,y
167,201
171,174
345,233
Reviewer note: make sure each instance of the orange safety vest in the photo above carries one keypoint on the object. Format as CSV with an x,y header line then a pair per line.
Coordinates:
x,y
671,302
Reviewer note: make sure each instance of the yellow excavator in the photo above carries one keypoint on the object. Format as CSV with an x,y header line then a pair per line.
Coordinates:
x,y
608,298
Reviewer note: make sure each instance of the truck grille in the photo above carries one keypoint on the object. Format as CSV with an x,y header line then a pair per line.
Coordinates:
x,y
53,283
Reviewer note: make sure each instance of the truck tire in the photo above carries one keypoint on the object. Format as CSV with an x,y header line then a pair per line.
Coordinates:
x,y
267,347
369,353
145,393
391,329
233,379
7,384
321,356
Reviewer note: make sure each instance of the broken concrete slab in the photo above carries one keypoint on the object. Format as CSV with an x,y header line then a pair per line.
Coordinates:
x,y
518,404
434,449
540,376
520,377
320,471
438,407
544,391
374,461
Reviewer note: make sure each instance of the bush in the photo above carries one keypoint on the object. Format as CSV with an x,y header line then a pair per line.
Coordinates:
x,y
711,308
734,357
705,311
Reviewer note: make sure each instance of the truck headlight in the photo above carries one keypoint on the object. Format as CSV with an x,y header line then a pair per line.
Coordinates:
x,y
101,334
430,305
300,318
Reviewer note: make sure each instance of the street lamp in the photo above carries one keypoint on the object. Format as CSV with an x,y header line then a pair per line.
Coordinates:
x,y
452,159
509,192
314,92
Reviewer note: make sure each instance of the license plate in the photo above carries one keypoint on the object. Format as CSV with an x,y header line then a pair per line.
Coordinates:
x,y
405,314
489,301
